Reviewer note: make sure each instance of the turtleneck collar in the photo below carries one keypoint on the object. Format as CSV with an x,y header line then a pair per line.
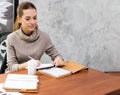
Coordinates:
x,y
31,38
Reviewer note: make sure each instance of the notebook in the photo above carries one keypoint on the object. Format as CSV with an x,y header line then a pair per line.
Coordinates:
x,y
21,83
67,69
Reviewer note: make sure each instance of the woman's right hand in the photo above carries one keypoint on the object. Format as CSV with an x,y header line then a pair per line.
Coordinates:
x,y
37,61
24,65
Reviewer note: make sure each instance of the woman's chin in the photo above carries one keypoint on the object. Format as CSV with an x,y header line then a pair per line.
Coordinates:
x,y
31,29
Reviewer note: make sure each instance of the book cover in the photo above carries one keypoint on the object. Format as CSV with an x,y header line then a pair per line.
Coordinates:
x,y
74,67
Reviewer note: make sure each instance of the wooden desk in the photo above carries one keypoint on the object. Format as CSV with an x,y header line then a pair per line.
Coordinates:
x,y
89,82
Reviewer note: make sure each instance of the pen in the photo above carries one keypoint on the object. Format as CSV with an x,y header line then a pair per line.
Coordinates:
x,y
30,57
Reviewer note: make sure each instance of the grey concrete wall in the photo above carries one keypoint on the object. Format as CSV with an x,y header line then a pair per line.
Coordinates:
x,y
86,31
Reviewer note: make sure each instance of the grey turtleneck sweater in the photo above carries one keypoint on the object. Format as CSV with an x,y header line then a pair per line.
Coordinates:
x,y
20,46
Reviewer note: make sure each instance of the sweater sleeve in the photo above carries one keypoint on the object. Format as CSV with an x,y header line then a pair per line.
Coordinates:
x,y
51,50
12,63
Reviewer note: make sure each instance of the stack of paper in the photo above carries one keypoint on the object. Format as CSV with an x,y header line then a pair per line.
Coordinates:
x,y
21,83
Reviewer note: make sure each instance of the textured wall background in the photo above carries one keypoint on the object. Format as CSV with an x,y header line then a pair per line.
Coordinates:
x,y
86,31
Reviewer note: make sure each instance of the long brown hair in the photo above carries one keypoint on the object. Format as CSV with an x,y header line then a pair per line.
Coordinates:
x,y
21,7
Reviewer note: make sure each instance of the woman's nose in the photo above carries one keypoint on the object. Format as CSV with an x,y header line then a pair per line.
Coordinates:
x,y
32,21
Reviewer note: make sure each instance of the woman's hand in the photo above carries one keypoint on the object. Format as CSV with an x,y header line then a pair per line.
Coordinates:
x,y
58,61
24,65
38,62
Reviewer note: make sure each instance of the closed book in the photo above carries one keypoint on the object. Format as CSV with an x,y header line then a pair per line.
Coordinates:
x,y
21,83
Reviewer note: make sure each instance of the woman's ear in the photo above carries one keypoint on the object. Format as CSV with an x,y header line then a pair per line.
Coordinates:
x,y
19,19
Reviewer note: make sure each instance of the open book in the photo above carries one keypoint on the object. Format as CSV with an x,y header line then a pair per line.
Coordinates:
x,y
21,83
68,69
55,72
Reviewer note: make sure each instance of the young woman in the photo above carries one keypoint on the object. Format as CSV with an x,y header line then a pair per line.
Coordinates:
x,y
28,40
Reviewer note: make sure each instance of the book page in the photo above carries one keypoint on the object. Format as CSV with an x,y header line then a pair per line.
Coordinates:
x,y
56,72
17,84
22,77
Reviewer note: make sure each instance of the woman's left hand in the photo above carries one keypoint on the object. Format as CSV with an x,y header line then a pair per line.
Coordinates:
x,y
58,61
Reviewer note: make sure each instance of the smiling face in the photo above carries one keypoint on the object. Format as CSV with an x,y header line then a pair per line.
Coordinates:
x,y
28,20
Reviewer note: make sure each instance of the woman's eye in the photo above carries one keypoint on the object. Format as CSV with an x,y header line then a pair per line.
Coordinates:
x,y
35,18
27,19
